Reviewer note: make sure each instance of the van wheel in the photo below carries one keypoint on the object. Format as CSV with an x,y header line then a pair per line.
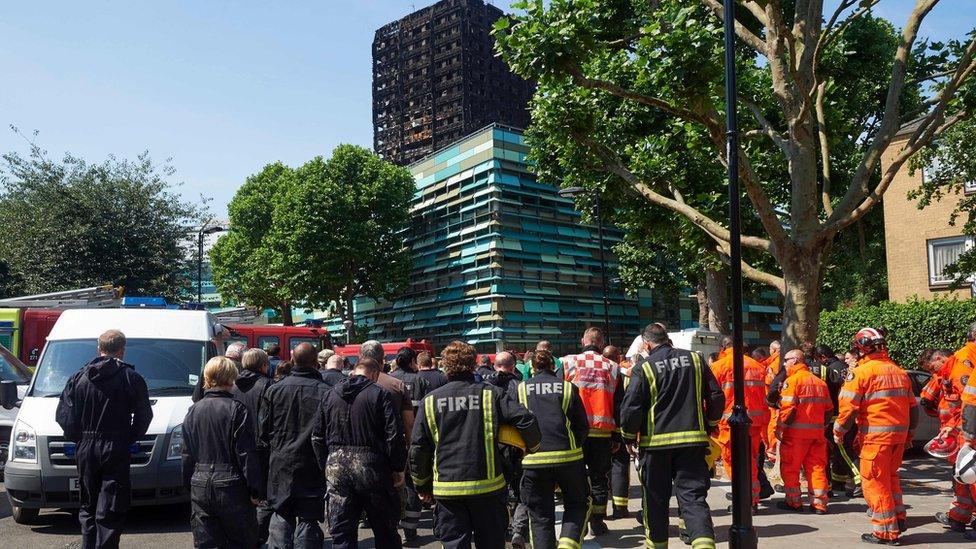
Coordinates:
x,y
23,515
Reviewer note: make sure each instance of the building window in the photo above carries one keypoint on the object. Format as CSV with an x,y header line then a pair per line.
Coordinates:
x,y
943,252
969,187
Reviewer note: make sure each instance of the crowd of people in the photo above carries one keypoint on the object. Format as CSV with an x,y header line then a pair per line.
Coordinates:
x,y
272,449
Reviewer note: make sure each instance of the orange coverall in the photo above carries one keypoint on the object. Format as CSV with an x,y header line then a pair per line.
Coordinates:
x,y
755,392
960,371
878,394
805,407
772,364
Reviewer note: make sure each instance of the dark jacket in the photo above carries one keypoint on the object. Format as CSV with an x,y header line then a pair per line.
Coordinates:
x,y
359,413
288,412
458,424
505,381
332,377
219,445
414,384
435,378
249,389
673,400
482,372
833,375
105,400
562,419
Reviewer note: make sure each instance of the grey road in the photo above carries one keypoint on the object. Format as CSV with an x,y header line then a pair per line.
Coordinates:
x,y
926,485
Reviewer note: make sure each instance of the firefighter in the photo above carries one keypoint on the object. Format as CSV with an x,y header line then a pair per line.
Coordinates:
x,y
755,393
562,419
620,461
296,485
248,390
969,430
601,388
832,371
104,408
221,469
506,378
878,395
805,407
673,401
416,387
956,373
453,456
358,442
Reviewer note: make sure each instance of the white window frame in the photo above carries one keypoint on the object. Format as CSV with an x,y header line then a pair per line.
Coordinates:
x,y
938,279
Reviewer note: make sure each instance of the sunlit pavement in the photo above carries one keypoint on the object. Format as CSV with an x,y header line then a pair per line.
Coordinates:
x,y
926,484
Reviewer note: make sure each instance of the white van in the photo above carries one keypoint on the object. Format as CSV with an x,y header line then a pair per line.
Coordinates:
x,y
692,339
167,347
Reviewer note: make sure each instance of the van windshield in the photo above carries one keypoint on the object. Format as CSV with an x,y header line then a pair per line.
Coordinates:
x,y
170,367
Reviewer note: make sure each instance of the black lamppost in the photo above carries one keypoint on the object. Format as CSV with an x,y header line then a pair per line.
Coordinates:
x,y
741,535
573,192
203,231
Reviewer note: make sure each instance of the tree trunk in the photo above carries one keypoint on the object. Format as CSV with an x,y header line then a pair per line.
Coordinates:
x,y
803,272
286,317
350,317
702,296
717,287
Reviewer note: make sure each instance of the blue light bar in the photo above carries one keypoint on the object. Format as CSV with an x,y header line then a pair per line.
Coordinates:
x,y
144,302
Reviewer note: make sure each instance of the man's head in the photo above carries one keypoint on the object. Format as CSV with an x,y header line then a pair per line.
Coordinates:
x,y
592,337
323,357
760,353
484,361
219,373
406,359
725,343
794,359
304,357
255,360
774,347
458,358
424,362
372,349
335,362
505,362
654,335
235,352
612,353
937,360
112,343
369,368
543,361
825,355
543,346
809,351
273,350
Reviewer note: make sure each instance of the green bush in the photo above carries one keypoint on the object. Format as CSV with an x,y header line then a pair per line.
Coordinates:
x,y
912,326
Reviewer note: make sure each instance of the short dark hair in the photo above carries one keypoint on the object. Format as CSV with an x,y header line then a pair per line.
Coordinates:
x,y
655,333
824,351
368,366
405,357
543,361
760,353
273,349
111,342
305,356
925,356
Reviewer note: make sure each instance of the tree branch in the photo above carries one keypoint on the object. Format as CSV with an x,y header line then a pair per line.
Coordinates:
x,y
767,126
741,31
824,148
753,273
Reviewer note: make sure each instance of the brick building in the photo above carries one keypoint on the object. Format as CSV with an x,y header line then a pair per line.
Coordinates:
x,y
436,79
919,243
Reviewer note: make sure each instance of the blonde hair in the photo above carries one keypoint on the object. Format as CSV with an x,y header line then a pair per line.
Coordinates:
x,y
255,360
220,371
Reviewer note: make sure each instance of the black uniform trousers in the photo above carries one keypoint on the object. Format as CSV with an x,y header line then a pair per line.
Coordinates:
x,y
411,513
598,458
262,514
840,470
538,487
620,479
479,519
684,470
221,512
295,524
103,470
361,482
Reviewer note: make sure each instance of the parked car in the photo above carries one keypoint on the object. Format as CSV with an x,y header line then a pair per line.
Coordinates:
x,y
928,426
12,370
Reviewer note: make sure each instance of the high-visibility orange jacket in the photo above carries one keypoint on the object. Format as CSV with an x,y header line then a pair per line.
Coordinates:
x,y
754,374
601,388
933,399
878,394
969,409
805,405
772,364
958,368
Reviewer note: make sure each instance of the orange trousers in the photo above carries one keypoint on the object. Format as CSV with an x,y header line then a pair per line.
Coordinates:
x,y
811,455
772,444
755,437
882,487
963,502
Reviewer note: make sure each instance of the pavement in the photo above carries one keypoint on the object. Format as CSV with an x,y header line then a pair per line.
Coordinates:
x,y
925,482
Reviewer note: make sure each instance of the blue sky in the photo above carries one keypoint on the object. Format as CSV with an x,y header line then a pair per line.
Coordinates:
x,y
221,88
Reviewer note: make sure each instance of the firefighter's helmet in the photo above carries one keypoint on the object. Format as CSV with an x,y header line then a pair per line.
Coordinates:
x,y
966,466
944,447
868,340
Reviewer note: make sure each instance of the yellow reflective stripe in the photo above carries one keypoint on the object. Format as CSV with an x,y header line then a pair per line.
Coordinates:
x,y
486,403
599,433
523,398
555,456
652,383
696,359
568,543
685,437
567,397
620,501
703,543
468,487
420,481
432,425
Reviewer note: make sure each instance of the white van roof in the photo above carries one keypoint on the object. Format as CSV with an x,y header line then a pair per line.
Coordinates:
x,y
134,323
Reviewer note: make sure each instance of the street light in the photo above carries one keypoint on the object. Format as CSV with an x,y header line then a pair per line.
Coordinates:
x,y
203,231
348,325
573,192
741,535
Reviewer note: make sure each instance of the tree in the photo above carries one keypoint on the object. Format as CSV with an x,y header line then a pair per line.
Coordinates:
x,y
73,224
341,226
249,262
826,93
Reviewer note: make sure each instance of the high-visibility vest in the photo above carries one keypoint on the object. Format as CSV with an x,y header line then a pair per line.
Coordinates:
x,y
878,393
804,405
754,375
596,378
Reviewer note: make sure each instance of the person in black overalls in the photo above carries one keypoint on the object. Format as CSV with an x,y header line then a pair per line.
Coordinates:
x,y
416,388
296,485
221,468
104,409
359,443
249,389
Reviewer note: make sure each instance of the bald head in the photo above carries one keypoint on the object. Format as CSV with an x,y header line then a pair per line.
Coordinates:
x,y
305,357
774,347
505,362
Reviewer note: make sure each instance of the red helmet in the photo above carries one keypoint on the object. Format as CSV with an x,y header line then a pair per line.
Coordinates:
x,y
943,447
868,339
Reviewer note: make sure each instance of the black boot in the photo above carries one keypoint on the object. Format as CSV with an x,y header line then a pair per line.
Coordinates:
x,y
871,538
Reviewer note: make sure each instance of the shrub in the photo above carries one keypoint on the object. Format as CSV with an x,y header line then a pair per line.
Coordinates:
x,y
912,326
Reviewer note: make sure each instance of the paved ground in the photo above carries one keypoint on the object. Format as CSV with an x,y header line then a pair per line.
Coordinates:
x,y
926,492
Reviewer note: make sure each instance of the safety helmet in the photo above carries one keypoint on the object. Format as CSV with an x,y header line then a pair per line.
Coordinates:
x,y
510,436
942,447
868,339
966,465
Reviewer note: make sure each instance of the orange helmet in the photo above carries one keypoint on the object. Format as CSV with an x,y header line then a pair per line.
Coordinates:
x,y
869,339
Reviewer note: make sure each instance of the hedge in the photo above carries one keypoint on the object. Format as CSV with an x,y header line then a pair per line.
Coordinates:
x,y
912,326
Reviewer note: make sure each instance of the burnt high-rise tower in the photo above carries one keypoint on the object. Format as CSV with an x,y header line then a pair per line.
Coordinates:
x,y
436,79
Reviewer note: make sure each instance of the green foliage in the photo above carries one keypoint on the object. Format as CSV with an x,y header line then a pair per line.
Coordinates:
x,y
72,224
857,273
912,326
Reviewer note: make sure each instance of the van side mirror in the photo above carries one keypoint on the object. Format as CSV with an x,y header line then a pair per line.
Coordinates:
x,y
8,394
